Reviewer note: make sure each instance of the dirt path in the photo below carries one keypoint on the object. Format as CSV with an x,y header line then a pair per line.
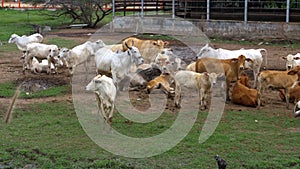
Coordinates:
x,y
11,71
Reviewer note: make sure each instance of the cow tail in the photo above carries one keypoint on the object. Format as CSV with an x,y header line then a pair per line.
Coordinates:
x,y
265,57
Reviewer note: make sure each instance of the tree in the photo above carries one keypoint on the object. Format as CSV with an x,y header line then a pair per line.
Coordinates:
x,y
90,12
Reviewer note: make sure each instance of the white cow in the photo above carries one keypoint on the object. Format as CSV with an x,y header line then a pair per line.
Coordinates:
x,y
253,54
291,61
40,51
79,54
106,92
195,81
118,63
23,41
297,109
41,67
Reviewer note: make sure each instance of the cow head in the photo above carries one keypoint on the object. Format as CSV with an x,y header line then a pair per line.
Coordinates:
x,y
53,52
290,61
207,51
294,71
13,38
240,61
244,79
135,54
212,78
63,52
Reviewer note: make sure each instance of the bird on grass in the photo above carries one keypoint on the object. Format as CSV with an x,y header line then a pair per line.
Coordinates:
x,y
221,162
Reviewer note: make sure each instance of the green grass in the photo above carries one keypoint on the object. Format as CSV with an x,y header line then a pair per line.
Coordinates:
x,y
8,89
48,135
19,22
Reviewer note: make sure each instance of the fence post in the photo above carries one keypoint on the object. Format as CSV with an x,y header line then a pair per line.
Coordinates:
x,y
142,10
173,9
113,8
287,11
208,10
246,11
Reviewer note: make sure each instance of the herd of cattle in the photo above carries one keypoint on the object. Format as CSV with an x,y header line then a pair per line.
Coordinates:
x,y
131,60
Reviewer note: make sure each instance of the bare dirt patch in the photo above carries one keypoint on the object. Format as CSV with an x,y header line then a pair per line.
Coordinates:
x,y
11,71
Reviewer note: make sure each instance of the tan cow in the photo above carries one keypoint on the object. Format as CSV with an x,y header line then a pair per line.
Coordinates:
x,y
242,94
194,81
232,68
294,94
162,82
278,80
148,48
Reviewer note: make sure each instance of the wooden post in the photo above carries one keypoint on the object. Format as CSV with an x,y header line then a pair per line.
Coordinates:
x,y
2,3
19,3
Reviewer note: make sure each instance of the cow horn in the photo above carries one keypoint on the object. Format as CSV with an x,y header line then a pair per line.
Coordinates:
x,y
127,46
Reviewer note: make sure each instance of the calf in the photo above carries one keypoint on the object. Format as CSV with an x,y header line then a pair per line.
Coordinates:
x,y
192,80
105,92
294,94
242,94
278,80
232,68
163,82
291,61
40,51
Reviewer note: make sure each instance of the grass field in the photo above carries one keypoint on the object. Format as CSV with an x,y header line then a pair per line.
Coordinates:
x,y
49,135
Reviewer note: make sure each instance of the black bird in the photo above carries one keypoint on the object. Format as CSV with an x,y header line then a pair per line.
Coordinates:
x,y
221,162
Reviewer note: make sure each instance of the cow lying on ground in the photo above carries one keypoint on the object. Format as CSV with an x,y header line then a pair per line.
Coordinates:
x,y
200,82
242,94
232,68
40,51
162,82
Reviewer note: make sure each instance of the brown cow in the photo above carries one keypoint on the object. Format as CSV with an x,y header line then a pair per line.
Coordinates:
x,y
294,94
163,82
148,48
278,80
232,68
242,94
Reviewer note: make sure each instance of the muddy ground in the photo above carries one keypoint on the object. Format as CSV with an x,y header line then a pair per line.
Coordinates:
x,y
11,71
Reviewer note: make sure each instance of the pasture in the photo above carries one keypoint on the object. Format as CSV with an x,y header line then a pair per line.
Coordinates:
x,y
45,133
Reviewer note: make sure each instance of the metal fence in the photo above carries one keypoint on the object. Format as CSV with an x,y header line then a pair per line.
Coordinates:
x,y
245,10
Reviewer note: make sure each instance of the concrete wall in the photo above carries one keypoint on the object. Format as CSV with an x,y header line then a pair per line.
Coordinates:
x,y
250,30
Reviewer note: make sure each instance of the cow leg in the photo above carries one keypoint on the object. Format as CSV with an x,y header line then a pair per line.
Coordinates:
x,y
201,95
287,97
260,89
255,75
227,90
177,95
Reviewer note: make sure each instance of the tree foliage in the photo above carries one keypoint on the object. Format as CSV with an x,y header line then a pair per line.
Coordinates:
x,y
90,12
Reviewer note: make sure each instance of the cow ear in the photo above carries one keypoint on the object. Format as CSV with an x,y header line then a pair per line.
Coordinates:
x,y
249,60
283,57
166,43
292,72
234,60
